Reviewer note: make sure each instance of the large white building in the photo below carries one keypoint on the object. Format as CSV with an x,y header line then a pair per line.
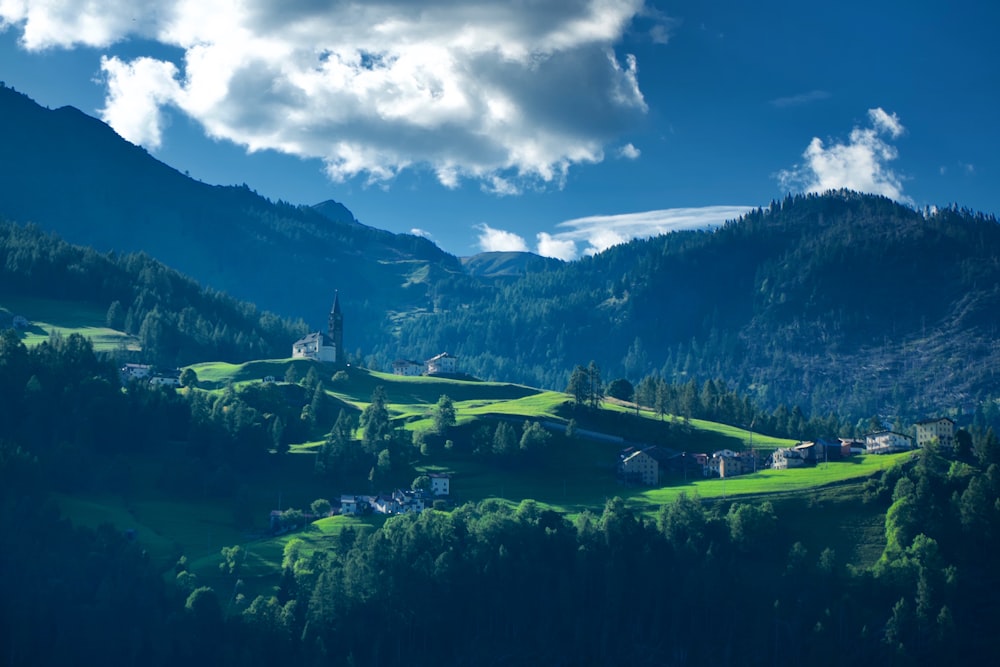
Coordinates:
x,y
943,429
442,363
887,442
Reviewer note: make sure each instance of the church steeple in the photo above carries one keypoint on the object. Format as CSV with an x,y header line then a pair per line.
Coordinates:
x,y
336,328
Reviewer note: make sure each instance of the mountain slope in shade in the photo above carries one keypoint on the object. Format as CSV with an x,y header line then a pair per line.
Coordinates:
x,y
507,264
70,173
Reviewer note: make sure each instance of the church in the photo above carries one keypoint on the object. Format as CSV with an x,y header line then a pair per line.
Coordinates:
x,y
324,347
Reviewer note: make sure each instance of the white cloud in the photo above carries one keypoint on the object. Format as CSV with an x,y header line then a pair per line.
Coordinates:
x,y
629,152
136,92
550,246
469,90
861,164
416,231
600,232
885,122
499,240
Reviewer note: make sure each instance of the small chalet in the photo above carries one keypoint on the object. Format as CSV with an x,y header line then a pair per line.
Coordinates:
x,y
407,367
942,428
887,442
440,483
443,363
351,505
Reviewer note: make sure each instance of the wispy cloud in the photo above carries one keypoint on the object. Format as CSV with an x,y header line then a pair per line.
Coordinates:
x,y
600,232
862,163
468,90
416,231
800,99
592,234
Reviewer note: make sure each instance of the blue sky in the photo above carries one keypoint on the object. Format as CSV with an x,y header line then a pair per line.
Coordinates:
x,y
559,126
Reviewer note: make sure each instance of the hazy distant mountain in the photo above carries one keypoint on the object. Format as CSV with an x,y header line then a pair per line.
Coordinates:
x,y
72,174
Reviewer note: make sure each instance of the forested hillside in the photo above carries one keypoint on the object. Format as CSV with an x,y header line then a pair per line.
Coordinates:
x,y
72,174
175,320
842,302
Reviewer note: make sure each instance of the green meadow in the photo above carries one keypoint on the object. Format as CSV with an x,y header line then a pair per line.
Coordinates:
x,y
51,316
572,476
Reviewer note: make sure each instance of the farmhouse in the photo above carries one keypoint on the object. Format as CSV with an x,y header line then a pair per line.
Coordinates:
x,y
440,483
441,364
643,466
942,428
887,442
784,458
327,347
407,367
352,505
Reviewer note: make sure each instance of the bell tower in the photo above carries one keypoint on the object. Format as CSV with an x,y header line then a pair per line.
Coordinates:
x,y
335,330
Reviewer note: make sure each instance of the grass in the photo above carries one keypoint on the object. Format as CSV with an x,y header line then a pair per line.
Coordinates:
x,y
768,482
573,476
50,316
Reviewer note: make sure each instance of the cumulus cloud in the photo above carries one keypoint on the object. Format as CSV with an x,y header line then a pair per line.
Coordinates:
x,y
499,240
416,231
629,152
136,93
862,163
469,90
560,248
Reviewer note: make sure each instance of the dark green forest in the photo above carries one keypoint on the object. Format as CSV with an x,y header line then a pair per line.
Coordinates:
x,y
837,303
488,583
176,321
841,303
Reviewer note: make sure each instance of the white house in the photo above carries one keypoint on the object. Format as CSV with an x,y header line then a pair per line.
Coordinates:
x,y
442,363
942,428
887,442
642,466
407,367
350,505
136,371
440,483
317,346
784,458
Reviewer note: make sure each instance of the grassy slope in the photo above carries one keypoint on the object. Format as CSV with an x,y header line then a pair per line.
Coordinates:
x,y
48,316
568,481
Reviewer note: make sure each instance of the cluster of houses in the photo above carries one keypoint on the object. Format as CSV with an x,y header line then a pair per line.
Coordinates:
x,y
648,466
168,377
399,501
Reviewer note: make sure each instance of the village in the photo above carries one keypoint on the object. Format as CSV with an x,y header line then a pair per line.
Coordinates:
x,y
637,465
650,466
